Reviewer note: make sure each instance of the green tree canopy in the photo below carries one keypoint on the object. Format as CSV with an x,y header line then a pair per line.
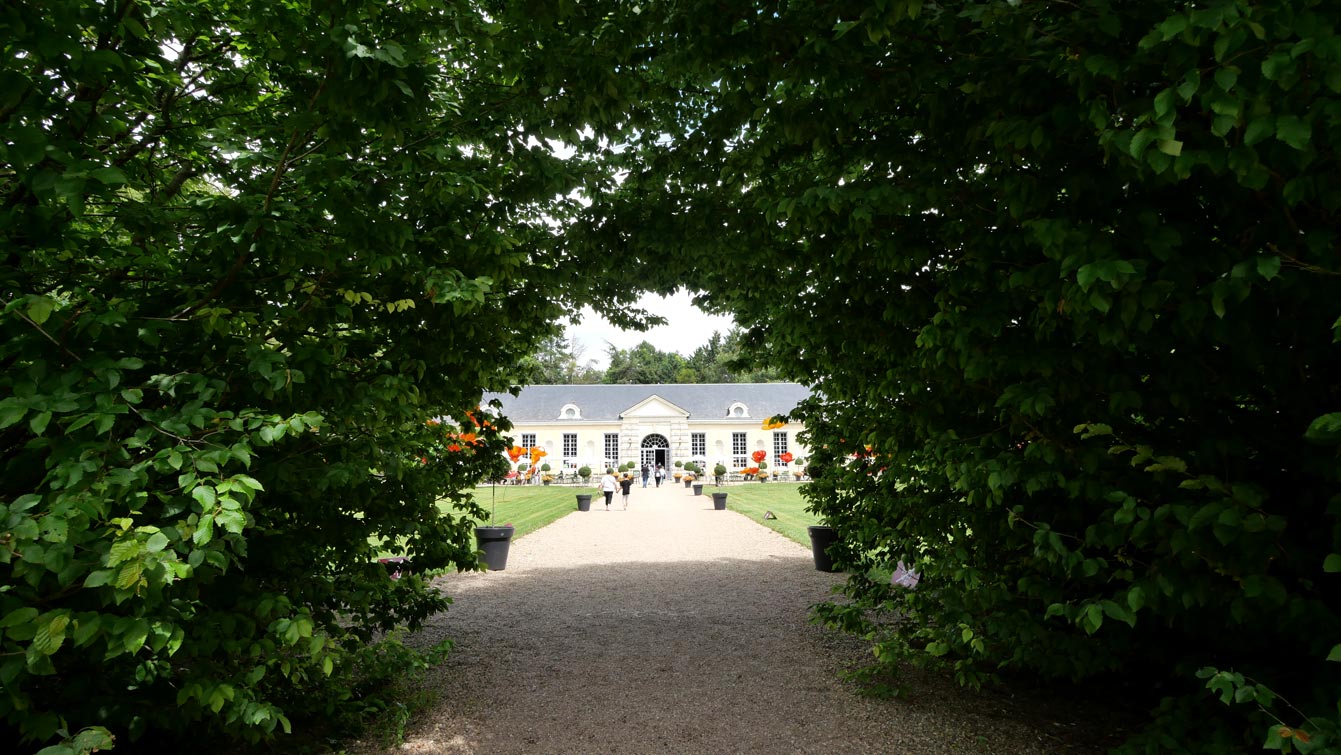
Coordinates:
x,y
249,249
1064,276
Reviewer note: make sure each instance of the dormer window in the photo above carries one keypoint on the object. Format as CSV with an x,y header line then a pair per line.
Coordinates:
x,y
738,410
570,411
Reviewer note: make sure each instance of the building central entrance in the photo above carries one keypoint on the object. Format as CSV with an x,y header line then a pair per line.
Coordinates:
x,y
655,450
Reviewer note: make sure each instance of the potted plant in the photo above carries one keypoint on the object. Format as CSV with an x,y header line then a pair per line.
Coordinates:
x,y
719,472
547,478
762,476
719,501
584,472
678,474
822,536
494,541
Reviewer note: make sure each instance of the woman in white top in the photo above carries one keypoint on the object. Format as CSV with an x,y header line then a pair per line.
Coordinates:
x,y
608,485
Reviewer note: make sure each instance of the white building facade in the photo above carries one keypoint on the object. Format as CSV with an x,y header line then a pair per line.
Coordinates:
x,y
604,426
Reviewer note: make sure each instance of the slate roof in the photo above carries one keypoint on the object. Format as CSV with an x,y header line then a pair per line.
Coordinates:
x,y
603,403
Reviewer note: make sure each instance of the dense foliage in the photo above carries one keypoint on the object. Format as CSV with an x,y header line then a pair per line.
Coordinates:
x,y
1066,278
248,249
718,360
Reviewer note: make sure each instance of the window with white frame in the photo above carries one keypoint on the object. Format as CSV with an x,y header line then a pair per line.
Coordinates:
x,y
569,445
698,445
528,440
739,450
779,447
611,449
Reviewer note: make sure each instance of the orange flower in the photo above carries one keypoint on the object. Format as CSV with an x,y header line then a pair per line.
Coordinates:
x,y
515,453
453,447
759,455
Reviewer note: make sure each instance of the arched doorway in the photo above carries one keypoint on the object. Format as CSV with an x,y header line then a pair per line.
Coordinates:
x,y
655,450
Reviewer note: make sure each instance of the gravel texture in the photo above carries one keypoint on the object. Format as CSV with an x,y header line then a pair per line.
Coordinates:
x,y
673,628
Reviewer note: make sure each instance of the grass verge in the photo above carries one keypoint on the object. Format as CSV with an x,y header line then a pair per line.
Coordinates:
x,y
527,507
781,498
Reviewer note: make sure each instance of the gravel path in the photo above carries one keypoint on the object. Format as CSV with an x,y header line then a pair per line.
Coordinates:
x,y
673,628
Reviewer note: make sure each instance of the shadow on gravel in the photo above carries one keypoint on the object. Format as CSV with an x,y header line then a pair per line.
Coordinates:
x,y
690,656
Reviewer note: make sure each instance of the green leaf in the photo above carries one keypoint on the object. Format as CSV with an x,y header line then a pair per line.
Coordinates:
x,y
204,531
109,176
1268,266
233,521
1171,147
1172,26
1335,654
1277,65
1332,564
50,635
1258,129
1293,131
40,308
38,424
156,542
24,502
1136,598
18,616
11,412
136,635
1325,429
1140,141
93,739
129,574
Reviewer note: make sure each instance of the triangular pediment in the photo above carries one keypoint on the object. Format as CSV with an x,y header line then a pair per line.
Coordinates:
x,y
654,406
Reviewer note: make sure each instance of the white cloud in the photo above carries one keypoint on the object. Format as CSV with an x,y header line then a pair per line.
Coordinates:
x,y
687,328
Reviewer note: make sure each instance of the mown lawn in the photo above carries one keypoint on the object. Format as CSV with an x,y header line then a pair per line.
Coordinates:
x,y
782,498
527,507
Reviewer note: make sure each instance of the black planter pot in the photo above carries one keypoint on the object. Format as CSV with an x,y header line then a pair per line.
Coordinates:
x,y
495,542
719,501
687,483
584,501
698,488
821,537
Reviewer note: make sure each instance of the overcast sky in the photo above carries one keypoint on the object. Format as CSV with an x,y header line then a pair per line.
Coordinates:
x,y
687,328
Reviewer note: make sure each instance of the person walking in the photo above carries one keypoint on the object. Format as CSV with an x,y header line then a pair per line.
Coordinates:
x,y
626,485
608,485
660,473
647,472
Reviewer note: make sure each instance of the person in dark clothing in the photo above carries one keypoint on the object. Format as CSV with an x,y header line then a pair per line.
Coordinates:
x,y
626,486
647,472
